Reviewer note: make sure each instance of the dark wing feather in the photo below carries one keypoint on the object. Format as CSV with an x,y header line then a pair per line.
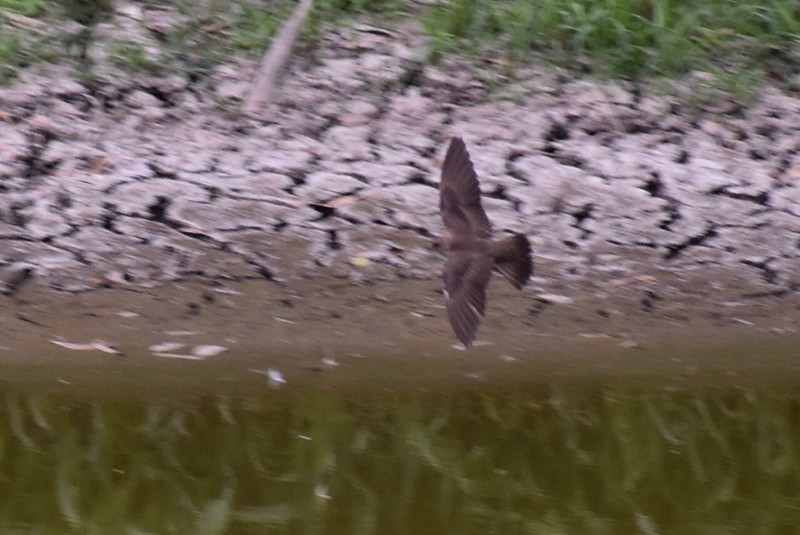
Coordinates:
x,y
458,177
455,221
512,256
466,276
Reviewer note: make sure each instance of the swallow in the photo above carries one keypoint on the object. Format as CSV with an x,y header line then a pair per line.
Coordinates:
x,y
472,253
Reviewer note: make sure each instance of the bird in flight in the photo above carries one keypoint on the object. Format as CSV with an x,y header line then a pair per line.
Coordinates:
x,y
471,252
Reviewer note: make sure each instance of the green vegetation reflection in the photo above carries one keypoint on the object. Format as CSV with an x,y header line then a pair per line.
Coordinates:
x,y
560,461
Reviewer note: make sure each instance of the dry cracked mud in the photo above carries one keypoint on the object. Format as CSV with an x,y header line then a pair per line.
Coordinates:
x,y
639,206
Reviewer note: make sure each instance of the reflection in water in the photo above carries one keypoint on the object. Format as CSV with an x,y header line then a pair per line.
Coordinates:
x,y
594,461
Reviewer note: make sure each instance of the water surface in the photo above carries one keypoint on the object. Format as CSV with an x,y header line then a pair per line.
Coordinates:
x,y
465,455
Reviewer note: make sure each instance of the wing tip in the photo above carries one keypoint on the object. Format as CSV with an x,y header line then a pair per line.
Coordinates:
x,y
467,338
456,147
464,320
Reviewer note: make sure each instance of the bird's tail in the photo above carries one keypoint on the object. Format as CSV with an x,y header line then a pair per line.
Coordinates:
x,y
512,258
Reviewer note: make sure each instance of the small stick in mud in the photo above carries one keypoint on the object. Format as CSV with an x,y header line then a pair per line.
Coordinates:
x,y
275,58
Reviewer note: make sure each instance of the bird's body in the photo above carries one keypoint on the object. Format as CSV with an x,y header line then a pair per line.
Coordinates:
x,y
471,251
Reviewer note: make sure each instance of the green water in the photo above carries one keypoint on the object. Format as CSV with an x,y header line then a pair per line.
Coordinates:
x,y
462,459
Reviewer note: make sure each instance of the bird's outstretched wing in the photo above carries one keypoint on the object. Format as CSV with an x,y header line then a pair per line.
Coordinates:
x,y
460,195
466,276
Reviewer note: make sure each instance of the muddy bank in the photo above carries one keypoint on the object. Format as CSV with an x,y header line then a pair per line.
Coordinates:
x,y
635,202
326,333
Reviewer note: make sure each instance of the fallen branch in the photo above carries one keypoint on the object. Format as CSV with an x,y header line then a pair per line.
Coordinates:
x,y
276,57
23,22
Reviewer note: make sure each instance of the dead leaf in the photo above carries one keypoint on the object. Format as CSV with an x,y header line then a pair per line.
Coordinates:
x,y
194,231
274,376
634,278
117,277
94,345
182,333
205,351
329,363
165,347
344,200
367,28
178,356
556,299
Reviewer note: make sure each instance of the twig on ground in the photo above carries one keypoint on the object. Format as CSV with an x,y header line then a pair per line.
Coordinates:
x,y
276,57
21,21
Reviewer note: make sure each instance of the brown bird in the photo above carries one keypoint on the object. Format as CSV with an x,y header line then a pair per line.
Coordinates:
x,y
472,254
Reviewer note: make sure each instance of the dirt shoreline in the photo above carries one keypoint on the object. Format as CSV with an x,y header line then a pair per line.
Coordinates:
x,y
384,336
639,206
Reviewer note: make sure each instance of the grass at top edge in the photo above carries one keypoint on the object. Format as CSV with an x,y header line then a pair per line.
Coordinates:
x,y
624,38
610,38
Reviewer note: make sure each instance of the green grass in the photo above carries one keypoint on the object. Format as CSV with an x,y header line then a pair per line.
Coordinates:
x,y
133,57
254,25
19,47
361,6
739,41
9,50
29,8
627,38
